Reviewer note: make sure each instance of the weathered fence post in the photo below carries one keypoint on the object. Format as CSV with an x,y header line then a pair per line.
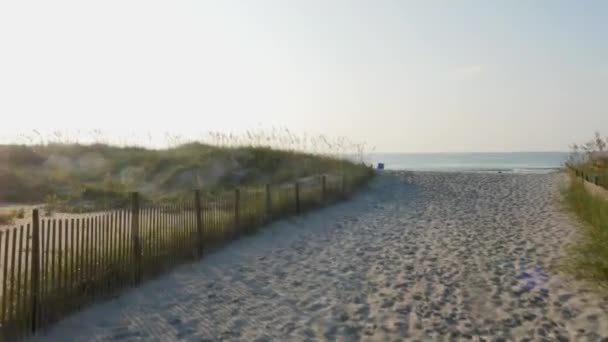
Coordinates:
x,y
199,221
297,188
237,204
35,268
268,203
324,189
136,245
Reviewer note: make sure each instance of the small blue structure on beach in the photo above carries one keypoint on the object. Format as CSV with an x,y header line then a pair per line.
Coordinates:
x,y
380,166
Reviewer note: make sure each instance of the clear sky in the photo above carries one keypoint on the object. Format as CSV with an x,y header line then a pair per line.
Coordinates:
x,y
404,76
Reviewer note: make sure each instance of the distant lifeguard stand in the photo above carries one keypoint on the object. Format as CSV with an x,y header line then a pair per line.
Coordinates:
x,y
380,166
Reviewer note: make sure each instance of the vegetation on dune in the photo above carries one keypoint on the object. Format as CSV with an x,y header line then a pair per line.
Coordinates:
x,y
97,255
592,155
589,256
79,177
8,216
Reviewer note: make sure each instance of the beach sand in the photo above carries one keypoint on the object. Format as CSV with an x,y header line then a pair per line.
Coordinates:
x,y
420,256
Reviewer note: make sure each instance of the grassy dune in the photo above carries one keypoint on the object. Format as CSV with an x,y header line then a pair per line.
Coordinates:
x,y
74,177
589,257
95,258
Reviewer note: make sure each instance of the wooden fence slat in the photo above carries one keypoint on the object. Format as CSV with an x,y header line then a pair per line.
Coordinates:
x,y
75,252
95,257
106,253
88,243
25,297
86,256
151,241
19,285
136,241
191,236
150,237
122,248
101,255
182,227
12,294
5,267
115,234
44,247
143,237
170,227
157,237
60,260
176,233
164,228
81,224
53,250
172,233
126,243
116,250
183,230
73,249
168,233
110,253
99,279
188,228
92,277
112,236
35,269
120,235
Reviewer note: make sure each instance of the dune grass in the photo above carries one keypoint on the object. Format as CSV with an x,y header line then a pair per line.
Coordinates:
x,y
98,178
8,216
588,258
84,178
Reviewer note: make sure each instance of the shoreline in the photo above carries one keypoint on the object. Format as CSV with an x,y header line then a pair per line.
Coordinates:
x,y
516,171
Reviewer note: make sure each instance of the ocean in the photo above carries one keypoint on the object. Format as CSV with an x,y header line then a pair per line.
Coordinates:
x,y
512,162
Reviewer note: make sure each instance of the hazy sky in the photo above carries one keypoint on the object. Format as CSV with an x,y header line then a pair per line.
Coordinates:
x,y
405,76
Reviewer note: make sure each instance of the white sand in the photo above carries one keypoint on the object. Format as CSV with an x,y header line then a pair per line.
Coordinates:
x,y
440,256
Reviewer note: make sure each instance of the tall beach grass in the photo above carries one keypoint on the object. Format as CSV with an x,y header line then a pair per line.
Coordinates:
x,y
588,257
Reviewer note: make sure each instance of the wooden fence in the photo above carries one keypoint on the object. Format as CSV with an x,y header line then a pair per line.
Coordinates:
x,y
597,178
53,267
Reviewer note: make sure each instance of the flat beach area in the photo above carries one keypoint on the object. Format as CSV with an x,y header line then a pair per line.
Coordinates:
x,y
416,256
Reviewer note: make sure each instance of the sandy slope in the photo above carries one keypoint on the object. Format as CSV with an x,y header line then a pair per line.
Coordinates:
x,y
440,256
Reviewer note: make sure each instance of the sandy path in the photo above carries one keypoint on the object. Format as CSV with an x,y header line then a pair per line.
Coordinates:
x,y
438,256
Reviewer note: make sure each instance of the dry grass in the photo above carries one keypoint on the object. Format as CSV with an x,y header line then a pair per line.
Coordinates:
x,y
589,256
8,216
75,177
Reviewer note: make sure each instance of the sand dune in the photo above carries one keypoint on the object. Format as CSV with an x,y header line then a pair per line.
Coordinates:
x,y
439,256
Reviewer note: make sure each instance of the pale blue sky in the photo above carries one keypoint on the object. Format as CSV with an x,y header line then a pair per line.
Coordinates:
x,y
405,76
